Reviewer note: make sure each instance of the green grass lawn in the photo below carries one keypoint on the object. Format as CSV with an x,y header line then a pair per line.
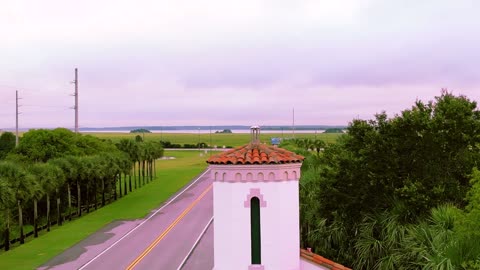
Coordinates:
x,y
219,139
172,175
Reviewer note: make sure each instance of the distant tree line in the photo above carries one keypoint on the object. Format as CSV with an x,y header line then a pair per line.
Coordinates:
x,y
140,130
333,130
56,175
168,144
397,193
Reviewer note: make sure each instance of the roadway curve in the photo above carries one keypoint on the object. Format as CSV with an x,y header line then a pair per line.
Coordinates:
x,y
161,241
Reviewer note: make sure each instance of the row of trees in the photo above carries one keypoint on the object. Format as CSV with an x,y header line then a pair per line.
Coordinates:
x,y
397,193
168,144
79,173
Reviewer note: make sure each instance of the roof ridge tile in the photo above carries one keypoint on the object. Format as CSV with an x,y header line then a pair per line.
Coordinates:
x,y
255,153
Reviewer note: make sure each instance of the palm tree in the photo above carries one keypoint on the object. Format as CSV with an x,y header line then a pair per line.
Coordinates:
x,y
148,156
76,167
137,153
318,145
85,173
141,161
69,174
23,185
110,171
158,154
97,174
435,244
58,180
6,201
38,173
49,177
125,166
380,236
129,147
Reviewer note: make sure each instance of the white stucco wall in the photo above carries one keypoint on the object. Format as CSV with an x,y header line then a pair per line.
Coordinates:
x,y
307,265
280,243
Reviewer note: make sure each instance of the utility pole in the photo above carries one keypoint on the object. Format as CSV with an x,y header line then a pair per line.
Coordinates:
x,y
16,117
293,128
76,100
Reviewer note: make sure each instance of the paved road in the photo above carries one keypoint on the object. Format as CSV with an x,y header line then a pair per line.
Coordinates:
x,y
202,256
162,241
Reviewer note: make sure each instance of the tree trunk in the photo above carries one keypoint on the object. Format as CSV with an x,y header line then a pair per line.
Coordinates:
x,y
139,176
69,202
59,215
95,194
125,192
149,173
20,222
79,205
35,218
134,176
115,187
88,200
119,185
155,168
130,181
143,172
151,170
48,213
7,230
147,170
103,191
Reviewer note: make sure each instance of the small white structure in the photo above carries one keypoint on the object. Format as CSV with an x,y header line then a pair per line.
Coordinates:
x,y
256,207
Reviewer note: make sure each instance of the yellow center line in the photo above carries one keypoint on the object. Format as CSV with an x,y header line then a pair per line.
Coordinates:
x,y
161,236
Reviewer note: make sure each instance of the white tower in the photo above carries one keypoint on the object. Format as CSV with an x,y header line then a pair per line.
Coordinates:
x,y
256,207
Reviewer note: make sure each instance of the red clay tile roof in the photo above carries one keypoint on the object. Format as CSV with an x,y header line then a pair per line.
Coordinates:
x,y
255,153
317,259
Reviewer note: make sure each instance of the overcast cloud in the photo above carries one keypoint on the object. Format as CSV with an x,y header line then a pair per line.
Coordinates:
x,y
216,62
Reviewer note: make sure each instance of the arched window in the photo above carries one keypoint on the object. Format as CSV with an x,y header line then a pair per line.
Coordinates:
x,y
260,177
255,237
238,177
216,176
285,175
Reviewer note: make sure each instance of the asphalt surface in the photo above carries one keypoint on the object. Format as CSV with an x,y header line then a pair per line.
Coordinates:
x,y
163,240
202,256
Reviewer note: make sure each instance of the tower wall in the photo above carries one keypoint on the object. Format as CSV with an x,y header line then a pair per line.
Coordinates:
x,y
280,243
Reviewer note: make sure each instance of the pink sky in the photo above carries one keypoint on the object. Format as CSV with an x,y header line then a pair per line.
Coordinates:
x,y
243,62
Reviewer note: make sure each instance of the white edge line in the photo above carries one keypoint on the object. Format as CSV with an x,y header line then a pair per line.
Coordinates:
x,y
195,244
143,222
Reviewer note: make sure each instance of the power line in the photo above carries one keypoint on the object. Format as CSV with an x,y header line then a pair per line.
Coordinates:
x,y
45,106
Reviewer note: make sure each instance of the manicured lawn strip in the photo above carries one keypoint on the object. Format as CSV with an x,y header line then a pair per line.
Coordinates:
x,y
220,139
172,175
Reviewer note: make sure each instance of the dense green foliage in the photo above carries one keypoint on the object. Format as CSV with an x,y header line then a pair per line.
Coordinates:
x,y
7,143
174,174
140,130
333,130
397,193
168,144
216,139
80,172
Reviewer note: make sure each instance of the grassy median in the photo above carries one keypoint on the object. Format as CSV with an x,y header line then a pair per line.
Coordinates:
x,y
218,139
172,175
